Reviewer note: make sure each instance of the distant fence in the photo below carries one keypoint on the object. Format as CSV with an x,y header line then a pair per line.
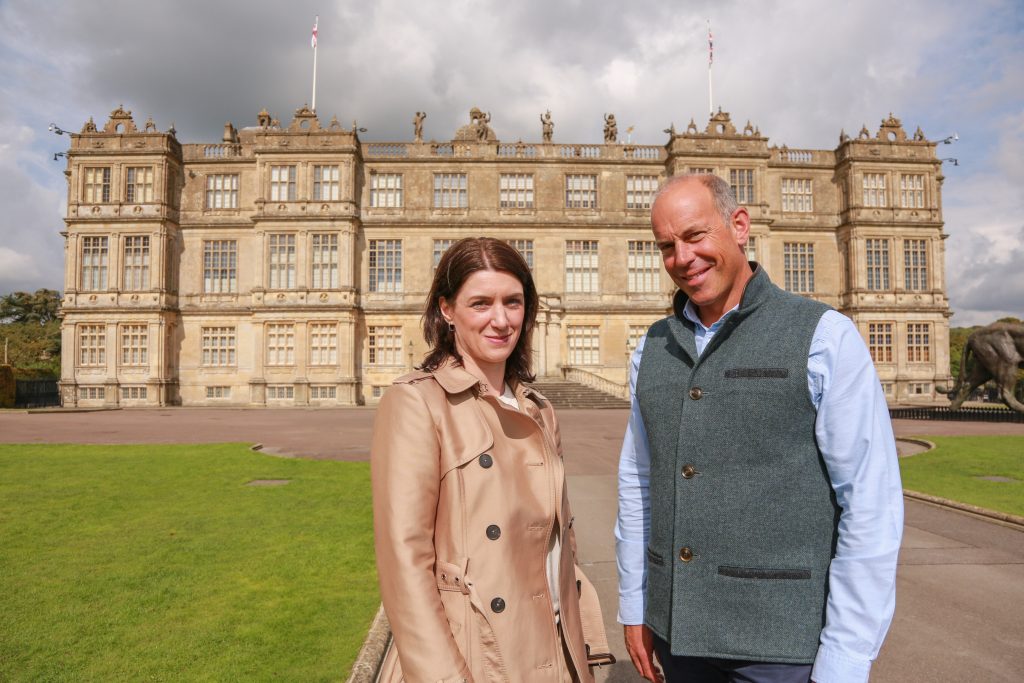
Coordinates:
x,y
962,415
36,393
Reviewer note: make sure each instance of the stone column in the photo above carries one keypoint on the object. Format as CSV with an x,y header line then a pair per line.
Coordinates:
x,y
72,262
303,245
554,346
301,381
348,352
347,275
258,385
541,346
157,257
114,263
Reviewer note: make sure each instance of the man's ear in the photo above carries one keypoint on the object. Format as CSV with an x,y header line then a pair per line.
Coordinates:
x,y
741,225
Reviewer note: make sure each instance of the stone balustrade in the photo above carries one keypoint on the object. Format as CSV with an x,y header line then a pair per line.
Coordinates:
x,y
589,379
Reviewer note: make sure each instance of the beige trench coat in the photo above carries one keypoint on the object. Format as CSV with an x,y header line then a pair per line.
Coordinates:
x,y
465,494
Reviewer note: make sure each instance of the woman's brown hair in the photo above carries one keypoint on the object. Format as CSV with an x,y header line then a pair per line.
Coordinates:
x,y
462,259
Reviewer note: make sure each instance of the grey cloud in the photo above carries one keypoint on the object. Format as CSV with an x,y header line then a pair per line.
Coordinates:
x,y
800,71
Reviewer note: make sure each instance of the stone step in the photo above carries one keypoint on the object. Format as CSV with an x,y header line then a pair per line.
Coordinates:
x,y
571,395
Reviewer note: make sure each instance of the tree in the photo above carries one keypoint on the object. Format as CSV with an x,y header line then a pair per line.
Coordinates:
x,y
32,349
40,307
30,332
957,341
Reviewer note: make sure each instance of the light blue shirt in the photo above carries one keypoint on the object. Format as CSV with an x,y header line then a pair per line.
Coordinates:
x,y
855,439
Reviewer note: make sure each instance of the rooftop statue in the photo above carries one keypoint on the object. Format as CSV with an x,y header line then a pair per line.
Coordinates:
x,y
611,128
547,126
417,125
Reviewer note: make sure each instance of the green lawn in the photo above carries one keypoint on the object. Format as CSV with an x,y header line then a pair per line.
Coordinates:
x,y
953,469
159,563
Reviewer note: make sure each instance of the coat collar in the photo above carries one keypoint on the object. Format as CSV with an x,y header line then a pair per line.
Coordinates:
x,y
455,379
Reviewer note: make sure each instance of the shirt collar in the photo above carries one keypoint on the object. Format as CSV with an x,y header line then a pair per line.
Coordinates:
x,y
690,313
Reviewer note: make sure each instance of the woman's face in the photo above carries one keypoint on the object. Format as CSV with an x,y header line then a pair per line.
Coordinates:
x,y
488,313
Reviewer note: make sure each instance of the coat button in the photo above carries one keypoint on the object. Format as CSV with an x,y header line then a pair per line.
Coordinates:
x,y
497,605
689,471
696,393
685,554
486,460
494,532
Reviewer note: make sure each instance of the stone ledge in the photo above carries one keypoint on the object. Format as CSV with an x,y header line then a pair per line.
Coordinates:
x,y
370,656
1007,519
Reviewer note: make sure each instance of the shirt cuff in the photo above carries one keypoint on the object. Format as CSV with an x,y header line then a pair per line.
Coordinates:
x,y
832,666
631,612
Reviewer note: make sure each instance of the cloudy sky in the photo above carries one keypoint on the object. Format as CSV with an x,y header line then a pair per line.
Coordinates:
x,y
801,70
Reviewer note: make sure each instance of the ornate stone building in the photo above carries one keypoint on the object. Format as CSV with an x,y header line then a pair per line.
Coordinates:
x,y
287,265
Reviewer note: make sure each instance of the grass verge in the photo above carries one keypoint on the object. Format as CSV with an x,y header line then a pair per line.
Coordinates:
x,y
954,469
159,563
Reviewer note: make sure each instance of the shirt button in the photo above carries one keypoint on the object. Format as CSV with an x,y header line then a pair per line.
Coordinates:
x,y
486,460
497,605
689,471
494,532
685,554
696,393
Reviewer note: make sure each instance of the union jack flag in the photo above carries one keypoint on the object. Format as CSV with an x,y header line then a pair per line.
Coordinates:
x,y
312,42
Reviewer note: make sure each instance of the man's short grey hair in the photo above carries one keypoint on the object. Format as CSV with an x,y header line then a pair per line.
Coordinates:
x,y
721,193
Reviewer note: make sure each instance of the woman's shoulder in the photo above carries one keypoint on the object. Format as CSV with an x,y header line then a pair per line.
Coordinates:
x,y
413,377
419,383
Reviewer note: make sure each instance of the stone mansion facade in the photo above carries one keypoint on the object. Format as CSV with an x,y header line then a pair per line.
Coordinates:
x,y
287,265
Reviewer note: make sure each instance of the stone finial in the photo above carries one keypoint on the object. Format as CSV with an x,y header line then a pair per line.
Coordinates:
x,y
843,137
230,134
150,125
90,126
305,120
919,135
748,129
334,125
891,130
263,118
864,134
692,128
120,122
720,124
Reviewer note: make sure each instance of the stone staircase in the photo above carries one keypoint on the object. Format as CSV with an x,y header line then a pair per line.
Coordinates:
x,y
564,394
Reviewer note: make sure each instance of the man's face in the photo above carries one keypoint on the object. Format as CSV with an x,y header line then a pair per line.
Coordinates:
x,y
702,255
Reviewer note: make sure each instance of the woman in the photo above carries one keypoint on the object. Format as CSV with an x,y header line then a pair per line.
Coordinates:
x,y
475,549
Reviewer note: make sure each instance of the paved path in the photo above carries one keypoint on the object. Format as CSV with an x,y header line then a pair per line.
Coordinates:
x,y
960,586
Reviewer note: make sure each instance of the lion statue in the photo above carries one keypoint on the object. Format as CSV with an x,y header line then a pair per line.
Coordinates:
x,y
997,351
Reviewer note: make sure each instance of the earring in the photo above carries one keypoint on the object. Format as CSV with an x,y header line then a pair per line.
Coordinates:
x,y
451,327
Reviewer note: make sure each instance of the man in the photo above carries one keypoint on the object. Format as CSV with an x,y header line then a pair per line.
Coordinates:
x,y
760,505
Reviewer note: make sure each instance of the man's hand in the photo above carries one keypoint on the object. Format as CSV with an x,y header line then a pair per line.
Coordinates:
x,y
640,646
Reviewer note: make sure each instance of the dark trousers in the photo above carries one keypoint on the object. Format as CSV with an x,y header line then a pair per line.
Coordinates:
x,y
711,670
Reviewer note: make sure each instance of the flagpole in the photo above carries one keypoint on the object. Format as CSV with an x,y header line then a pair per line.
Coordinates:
x,y
711,59
315,24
